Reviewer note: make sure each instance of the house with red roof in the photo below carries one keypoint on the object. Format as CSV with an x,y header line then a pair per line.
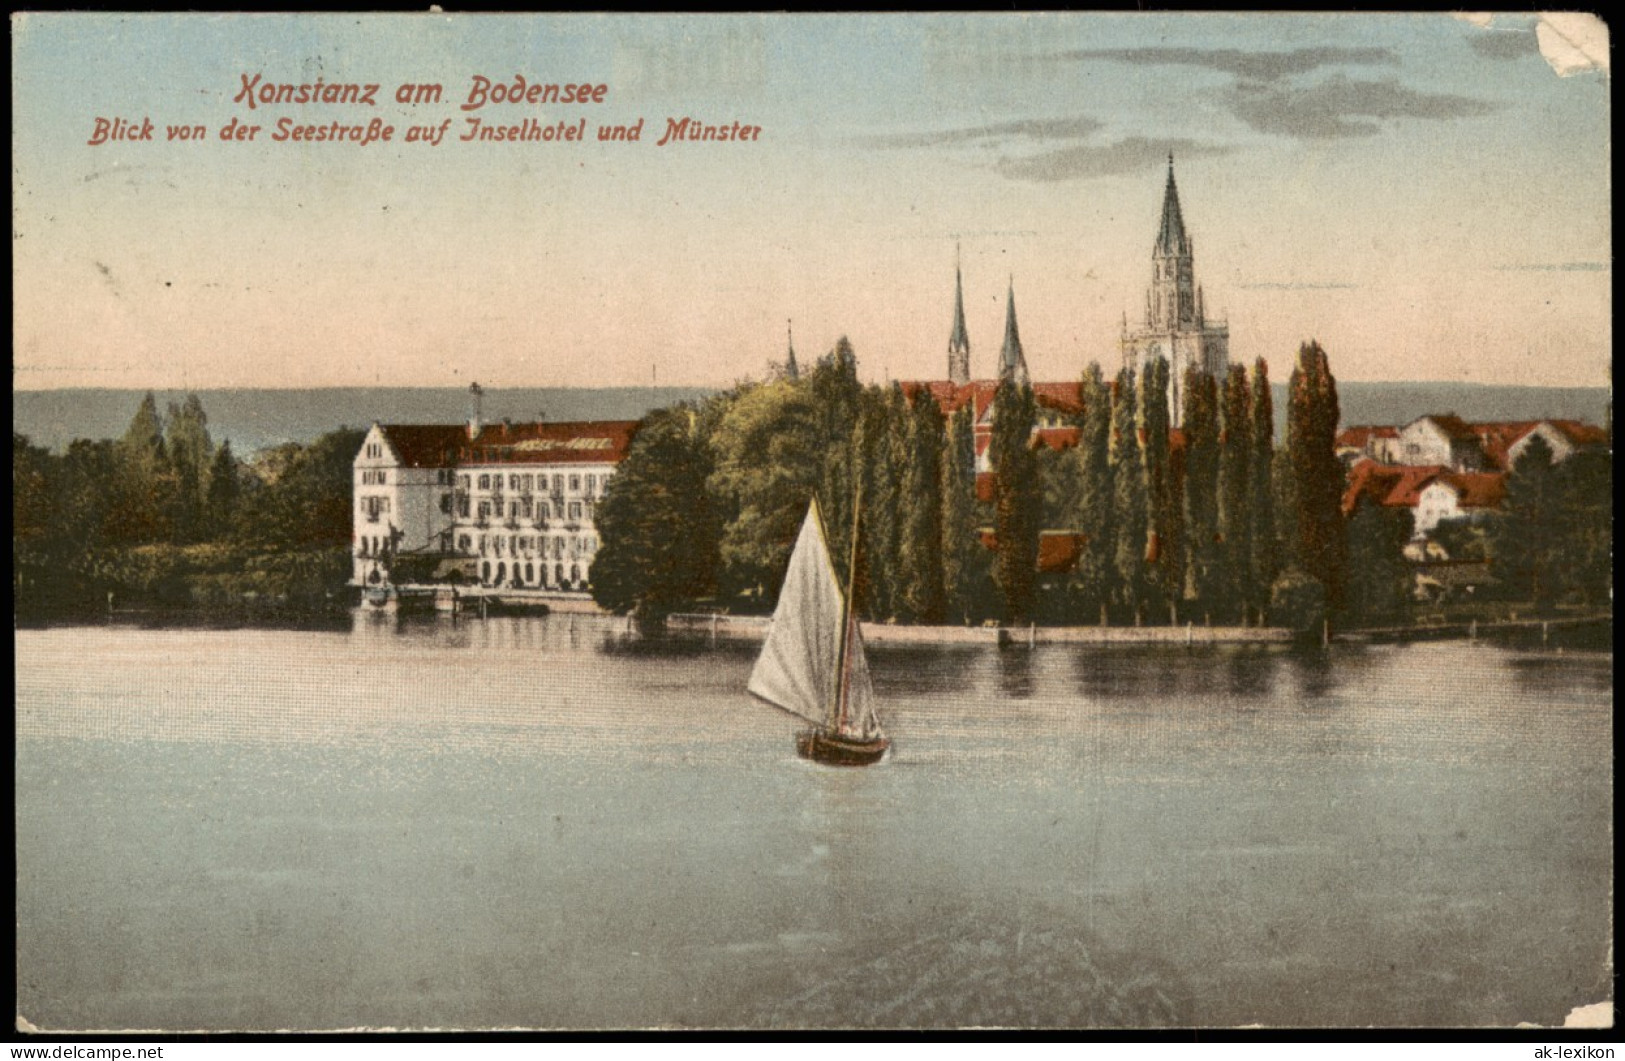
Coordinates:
x,y
1376,442
1447,439
504,504
1433,493
1441,438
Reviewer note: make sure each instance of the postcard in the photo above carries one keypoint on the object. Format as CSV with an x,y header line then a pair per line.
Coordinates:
x,y
605,522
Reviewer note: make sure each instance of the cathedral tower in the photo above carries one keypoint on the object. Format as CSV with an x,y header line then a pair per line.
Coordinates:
x,y
1175,326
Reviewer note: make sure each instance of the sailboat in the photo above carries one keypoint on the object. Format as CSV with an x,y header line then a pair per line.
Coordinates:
x,y
812,664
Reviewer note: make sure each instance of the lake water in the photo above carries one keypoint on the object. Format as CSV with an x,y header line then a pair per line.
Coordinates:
x,y
534,823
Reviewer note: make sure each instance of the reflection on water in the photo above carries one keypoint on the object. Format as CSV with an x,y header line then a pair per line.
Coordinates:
x,y
545,822
1016,673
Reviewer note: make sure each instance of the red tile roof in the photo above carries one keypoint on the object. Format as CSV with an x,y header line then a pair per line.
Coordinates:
x,y
425,445
1360,436
1057,550
1580,433
1064,397
1478,489
1067,397
1499,437
1407,488
1401,485
447,445
1453,426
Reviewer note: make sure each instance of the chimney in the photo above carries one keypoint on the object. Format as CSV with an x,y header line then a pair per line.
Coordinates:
x,y
474,424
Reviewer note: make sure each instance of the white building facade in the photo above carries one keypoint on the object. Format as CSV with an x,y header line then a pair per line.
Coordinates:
x,y
500,505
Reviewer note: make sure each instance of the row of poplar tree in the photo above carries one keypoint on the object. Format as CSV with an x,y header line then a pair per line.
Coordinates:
x,y
1219,527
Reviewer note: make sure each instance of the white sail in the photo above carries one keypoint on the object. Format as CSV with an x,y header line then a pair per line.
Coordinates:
x,y
860,720
797,668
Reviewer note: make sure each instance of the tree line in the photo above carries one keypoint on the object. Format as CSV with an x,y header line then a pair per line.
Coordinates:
x,y
164,517
1207,524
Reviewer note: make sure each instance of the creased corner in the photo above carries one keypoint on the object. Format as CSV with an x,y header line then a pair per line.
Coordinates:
x,y
1573,42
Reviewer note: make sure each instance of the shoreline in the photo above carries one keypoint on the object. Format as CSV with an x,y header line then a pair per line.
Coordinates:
x,y
754,628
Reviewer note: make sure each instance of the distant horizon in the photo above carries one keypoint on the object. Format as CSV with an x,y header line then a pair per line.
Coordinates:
x,y
257,418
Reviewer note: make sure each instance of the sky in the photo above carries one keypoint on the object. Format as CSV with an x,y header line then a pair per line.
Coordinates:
x,y
1425,195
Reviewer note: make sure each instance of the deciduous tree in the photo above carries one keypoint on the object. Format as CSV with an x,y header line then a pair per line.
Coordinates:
x,y
659,531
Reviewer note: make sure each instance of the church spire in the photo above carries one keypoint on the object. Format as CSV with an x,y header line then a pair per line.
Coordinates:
x,y
790,369
1012,363
959,340
1171,239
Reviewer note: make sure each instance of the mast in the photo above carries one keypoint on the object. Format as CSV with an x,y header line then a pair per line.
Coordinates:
x,y
842,662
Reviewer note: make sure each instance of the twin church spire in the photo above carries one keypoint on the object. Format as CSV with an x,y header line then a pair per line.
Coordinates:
x,y
1012,362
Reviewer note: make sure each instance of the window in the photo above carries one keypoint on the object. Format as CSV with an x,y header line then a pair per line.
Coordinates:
x,y
462,506
558,484
463,481
513,509
513,482
485,482
575,484
575,510
485,509
543,511
525,508
445,504
528,481
464,543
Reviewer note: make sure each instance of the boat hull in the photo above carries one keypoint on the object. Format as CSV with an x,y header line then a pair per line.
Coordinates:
x,y
832,750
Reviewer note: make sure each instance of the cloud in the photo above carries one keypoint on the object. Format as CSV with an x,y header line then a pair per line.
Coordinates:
x,y
1080,161
1502,44
1253,66
1038,129
1556,267
1341,107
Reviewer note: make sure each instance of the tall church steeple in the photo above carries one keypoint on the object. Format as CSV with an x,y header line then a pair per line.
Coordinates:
x,y
790,369
1012,363
959,340
1176,326
1171,305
